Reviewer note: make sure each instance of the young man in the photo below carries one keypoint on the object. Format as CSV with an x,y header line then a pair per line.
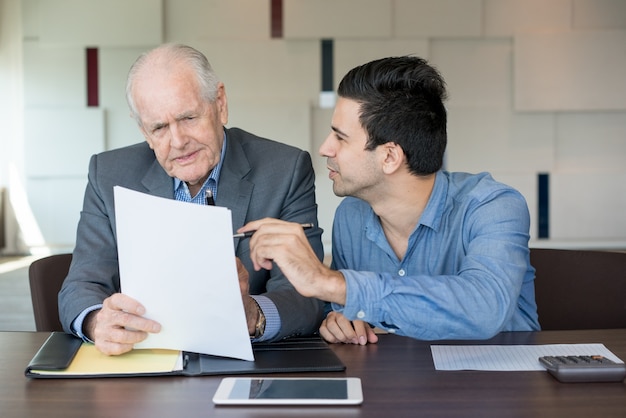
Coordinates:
x,y
417,251
181,109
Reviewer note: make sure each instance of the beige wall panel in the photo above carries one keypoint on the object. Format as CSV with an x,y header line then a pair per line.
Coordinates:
x,y
507,17
494,139
570,71
11,91
56,204
337,19
351,53
96,23
588,206
437,18
216,19
591,142
59,141
477,72
599,14
114,64
54,76
289,123
267,71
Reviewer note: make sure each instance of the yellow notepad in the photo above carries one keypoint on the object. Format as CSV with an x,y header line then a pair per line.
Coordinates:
x,y
89,361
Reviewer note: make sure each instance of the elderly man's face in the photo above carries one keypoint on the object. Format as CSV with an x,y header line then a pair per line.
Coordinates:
x,y
185,132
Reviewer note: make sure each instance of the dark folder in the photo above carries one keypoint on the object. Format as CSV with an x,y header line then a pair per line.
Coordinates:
x,y
293,355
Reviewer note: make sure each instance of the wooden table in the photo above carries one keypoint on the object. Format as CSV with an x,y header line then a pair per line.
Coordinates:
x,y
398,376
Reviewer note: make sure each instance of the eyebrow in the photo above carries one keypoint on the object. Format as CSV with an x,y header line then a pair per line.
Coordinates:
x,y
339,131
185,115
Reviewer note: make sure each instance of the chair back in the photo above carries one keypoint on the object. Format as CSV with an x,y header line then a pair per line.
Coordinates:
x,y
46,276
579,289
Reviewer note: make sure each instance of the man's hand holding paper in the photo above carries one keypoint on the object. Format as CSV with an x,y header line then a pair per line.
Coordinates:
x,y
119,325
194,291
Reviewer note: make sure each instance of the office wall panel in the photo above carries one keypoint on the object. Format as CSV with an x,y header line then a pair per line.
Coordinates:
x,y
120,128
599,14
59,141
507,17
305,19
437,18
351,52
588,206
591,141
271,71
56,204
289,123
94,22
54,76
570,71
478,73
495,139
216,19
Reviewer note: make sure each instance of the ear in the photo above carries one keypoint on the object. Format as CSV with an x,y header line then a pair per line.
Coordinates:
x,y
221,102
393,157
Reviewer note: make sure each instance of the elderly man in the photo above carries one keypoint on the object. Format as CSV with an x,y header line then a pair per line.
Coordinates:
x,y
181,109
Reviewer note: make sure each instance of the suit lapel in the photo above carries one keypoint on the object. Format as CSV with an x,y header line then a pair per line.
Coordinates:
x,y
157,182
234,191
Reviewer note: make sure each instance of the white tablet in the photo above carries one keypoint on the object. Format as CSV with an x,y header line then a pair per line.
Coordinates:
x,y
289,391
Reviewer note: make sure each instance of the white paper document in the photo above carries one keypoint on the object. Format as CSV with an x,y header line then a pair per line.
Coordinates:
x,y
177,259
508,357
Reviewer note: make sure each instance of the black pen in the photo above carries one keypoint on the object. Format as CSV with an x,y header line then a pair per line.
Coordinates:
x,y
249,233
208,197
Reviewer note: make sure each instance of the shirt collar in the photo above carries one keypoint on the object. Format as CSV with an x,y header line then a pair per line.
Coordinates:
x,y
431,216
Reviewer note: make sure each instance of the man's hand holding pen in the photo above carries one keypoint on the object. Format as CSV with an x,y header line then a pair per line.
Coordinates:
x,y
285,243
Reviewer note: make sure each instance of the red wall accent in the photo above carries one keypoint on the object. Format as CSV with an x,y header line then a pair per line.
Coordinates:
x,y
92,77
276,17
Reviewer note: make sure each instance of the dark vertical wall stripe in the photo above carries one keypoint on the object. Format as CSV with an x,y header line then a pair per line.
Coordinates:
x,y
327,65
276,18
92,77
543,203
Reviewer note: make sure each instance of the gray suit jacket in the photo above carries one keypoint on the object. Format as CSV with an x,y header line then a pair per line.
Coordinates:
x,y
260,178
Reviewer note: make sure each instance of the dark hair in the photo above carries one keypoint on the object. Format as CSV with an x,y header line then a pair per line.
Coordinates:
x,y
401,101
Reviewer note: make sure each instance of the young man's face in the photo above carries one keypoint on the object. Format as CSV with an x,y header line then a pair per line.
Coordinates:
x,y
354,170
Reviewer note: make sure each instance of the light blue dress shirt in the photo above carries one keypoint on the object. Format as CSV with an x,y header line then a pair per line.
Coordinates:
x,y
466,273
182,193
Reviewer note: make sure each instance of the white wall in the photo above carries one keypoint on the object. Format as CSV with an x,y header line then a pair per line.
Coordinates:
x,y
535,86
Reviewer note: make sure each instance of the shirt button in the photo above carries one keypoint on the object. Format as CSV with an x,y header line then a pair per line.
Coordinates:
x,y
391,331
360,315
401,272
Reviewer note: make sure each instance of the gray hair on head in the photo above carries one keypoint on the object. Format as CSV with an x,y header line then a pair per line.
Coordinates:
x,y
170,54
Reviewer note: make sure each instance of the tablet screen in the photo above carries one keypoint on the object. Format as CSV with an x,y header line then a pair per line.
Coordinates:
x,y
289,389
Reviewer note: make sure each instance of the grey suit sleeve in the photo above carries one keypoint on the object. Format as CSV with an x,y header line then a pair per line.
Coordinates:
x,y
93,274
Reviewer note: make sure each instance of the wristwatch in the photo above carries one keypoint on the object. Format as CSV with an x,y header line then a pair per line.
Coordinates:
x,y
259,328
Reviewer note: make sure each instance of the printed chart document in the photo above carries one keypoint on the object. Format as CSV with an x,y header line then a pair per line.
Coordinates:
x,y
508,357
177,259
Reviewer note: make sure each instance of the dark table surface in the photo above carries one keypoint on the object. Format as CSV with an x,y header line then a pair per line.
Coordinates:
x,y
397,374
